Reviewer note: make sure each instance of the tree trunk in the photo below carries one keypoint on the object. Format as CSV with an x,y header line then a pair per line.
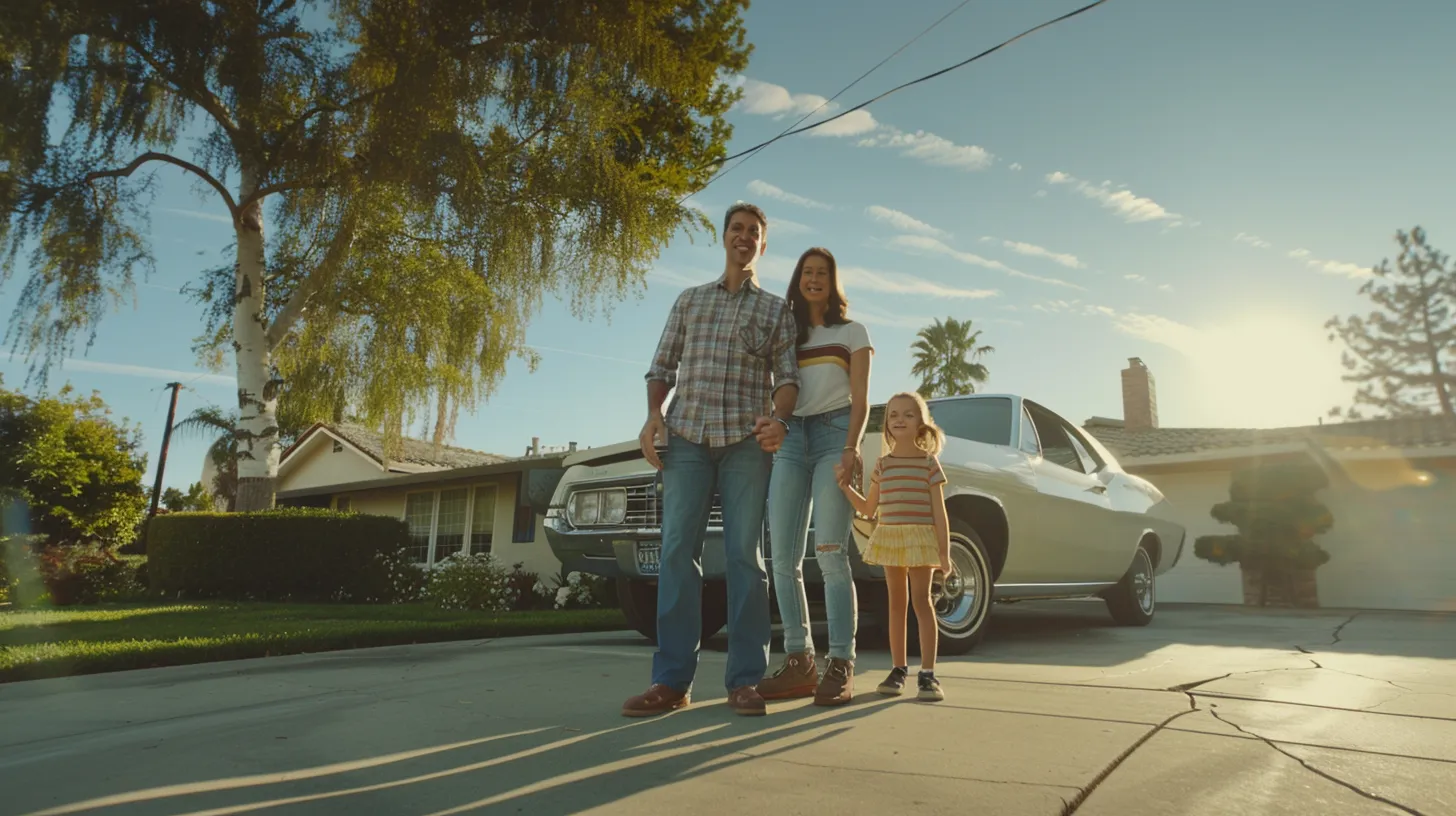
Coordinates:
x,y
257,433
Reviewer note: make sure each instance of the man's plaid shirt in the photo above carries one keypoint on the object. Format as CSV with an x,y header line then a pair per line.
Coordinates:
x,y
725,353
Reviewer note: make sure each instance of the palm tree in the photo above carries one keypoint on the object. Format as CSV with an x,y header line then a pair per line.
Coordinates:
x,y
943,359
212,421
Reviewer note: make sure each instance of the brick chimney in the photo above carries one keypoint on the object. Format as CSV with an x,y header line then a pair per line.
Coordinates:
x,y
1139,396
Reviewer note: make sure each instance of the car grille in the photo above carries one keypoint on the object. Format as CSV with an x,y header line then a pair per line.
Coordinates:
x,y
644,507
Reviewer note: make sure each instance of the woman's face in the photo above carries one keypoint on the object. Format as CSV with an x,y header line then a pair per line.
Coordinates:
x,y
815,283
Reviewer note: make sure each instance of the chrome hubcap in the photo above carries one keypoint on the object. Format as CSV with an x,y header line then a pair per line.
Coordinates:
x,y
1142,582
959,599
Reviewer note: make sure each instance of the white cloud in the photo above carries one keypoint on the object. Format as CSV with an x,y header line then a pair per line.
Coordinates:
x,y
1133,208
1032,250
694,204
199,215
930,148
1016,165
1349,270
904,222
851,124
1039,194
768,99
1134,277
142,372
763,188
1165,287
860,279
920,244
1252,240
784,226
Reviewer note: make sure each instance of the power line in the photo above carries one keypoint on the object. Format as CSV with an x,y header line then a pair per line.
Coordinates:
x,y
927,77
752,151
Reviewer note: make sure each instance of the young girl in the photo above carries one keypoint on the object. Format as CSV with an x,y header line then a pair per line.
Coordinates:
x,y
912,537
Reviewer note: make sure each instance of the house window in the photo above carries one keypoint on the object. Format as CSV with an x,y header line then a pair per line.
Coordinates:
x,y
482,519
419,514
450,524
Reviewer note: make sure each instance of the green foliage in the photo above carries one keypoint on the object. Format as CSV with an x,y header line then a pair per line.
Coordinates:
x,y
195,500
1403,354
1277,516
78,472
477,581
943,359
86,575
297,554
427,171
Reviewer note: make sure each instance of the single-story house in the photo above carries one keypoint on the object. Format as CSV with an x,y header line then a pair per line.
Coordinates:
x,y
1392,495
454,499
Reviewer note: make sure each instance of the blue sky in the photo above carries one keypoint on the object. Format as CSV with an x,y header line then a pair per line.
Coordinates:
x,y
1197,184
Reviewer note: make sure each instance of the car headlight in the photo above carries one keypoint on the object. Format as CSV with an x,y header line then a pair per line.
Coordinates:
x,y
585,506
588,507
614,506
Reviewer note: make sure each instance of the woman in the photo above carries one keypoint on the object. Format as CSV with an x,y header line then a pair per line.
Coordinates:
x,y
829,421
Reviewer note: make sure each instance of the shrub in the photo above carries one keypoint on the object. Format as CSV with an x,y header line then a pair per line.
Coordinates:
x,y
476,581
87,575
287,554
579,590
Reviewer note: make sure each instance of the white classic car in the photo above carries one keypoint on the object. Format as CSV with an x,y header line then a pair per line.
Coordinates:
x,y
1038,509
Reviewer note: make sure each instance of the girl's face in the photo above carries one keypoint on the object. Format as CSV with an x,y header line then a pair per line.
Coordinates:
x,y
814,281
902,418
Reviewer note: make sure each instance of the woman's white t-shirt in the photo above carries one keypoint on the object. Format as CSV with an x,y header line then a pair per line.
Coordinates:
x,y
824,367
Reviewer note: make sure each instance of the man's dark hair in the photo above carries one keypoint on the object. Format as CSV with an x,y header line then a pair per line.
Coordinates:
x,y
744,206
835,314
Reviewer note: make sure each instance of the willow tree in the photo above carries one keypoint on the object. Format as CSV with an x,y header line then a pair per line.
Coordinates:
x,y
427,170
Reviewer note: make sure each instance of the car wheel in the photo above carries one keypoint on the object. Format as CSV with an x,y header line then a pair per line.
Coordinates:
x,y
1135,598
963,600
638,600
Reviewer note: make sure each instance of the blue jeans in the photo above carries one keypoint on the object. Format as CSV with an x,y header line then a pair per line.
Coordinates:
x,y
690,471
803,482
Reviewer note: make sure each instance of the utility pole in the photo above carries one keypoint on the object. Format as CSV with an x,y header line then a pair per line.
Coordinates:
x,y
166,439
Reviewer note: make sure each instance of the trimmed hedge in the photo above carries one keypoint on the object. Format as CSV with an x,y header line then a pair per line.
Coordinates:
x,y
288,554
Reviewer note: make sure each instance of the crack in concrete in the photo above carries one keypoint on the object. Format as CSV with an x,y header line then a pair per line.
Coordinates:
x,y
1086,791
1187,687
1375,797
1338,629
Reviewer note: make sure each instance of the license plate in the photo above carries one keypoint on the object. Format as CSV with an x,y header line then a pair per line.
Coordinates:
x,y
647,557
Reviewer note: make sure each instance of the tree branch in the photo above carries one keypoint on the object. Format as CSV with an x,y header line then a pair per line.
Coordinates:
x,y
333,258
153,155
204,98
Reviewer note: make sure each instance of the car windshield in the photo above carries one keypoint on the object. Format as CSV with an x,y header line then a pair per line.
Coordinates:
x,y
979,419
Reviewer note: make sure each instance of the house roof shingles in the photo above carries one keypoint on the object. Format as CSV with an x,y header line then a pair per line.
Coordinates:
x,y
1398,434
414,451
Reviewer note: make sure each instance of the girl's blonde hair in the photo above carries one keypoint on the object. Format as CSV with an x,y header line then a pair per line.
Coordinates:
x,y
930,437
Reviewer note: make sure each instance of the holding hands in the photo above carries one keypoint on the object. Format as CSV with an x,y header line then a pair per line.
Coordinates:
x,y
770,433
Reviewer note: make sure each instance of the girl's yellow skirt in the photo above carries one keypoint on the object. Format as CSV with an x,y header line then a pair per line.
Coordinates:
x,y
903,545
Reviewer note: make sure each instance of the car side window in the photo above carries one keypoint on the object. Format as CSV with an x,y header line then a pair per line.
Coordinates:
x,y
1056,446
1094,461
1029,441
1089,465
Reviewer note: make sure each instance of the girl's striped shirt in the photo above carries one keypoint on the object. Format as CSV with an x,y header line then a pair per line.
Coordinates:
x,y
904,484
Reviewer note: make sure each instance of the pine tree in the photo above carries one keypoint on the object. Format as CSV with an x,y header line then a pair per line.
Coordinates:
x,y
1403,354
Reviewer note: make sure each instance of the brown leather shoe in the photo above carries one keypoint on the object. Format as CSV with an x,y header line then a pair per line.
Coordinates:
x,y
746,702
837,687
796,678
658,699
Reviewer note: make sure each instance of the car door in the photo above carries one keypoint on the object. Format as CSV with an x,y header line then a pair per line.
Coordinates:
x,y
1073,509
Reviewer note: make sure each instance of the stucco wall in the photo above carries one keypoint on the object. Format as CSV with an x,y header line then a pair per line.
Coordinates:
x,y
316,464
1393,545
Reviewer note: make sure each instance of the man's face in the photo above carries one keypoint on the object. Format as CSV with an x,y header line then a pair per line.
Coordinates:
x,y
744,241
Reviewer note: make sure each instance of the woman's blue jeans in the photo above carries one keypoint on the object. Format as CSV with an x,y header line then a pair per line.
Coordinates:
x,y
803,485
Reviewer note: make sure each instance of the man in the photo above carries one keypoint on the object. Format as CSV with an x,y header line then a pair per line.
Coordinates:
x,y
728,349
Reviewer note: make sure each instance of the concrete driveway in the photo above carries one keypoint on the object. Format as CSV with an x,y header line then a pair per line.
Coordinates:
x,y
1210,710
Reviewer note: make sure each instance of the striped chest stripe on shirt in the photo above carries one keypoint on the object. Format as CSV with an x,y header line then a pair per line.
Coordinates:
x,y
834,354
905,489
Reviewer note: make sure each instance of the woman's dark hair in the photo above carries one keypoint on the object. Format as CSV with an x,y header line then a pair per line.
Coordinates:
x,y
834,315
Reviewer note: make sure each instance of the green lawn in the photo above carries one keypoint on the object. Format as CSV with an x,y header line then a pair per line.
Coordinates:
x,y
85,640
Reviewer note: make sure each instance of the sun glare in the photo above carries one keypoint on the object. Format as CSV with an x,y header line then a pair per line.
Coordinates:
x,y
1267,371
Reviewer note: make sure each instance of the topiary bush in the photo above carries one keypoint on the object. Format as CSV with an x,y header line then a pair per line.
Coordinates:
x,y
287,554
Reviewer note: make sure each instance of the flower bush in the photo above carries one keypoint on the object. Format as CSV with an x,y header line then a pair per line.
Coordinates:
x,y
476,581
578,590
